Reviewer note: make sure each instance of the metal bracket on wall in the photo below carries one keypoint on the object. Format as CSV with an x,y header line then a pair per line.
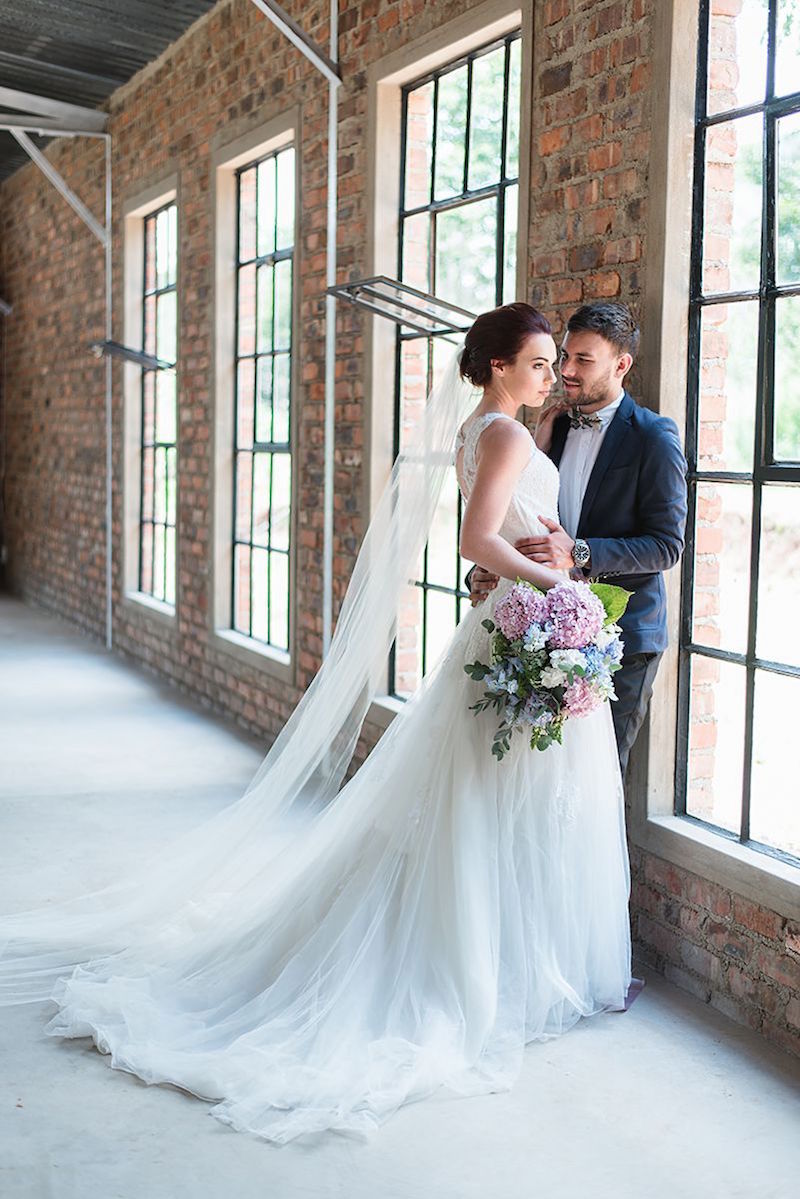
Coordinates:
x,y
117,350
5,308
406,306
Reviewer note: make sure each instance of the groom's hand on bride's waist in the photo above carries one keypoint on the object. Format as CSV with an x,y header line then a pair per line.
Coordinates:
x,y
553,549
481,582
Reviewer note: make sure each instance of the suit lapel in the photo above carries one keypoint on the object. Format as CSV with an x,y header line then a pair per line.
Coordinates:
x,y
560,431
613,439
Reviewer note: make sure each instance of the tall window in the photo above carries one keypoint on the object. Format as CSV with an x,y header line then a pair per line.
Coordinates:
x,y
263,460
740,648
159,407
458,241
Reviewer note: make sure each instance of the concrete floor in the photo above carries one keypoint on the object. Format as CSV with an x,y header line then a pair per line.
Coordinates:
x,y
96,759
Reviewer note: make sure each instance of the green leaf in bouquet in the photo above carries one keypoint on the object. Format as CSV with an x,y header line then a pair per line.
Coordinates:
x,y
488,625
614,600
476,670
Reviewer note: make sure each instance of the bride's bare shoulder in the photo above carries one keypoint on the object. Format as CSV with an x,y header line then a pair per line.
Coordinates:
x,y
502,439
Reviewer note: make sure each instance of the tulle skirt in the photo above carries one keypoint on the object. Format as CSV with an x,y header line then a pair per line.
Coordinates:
x,y
444,910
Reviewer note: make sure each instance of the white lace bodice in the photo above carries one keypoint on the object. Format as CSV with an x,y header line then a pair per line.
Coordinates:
x,y
536,492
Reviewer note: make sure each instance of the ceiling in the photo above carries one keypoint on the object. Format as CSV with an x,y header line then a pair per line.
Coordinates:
x,y
80,52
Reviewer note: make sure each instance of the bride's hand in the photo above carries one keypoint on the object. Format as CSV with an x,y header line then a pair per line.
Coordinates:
x,y
543,435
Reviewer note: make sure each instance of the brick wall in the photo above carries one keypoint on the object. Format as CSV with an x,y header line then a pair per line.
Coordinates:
x,y
590,164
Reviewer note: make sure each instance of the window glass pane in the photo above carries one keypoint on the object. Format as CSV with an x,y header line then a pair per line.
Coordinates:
x,y
265,304
787,378
264,399
246,311
512,134
148,470
416,251
146,560
285,173
728,377
262,470
244,483
149,339
279,600
149,254
163,257
148,407
281,498
732,213
466,249
283,304
722,565
451,129
166,330
247,215
241,589
172,489
244,403
443,539
716,742
778,638
788,48
788,233
266,206
419,146
439,623
169,585
281,365
737,45
408,645
172,264
165,406
414,355
510,247
774,810
159,559
260,595
160,486
486,119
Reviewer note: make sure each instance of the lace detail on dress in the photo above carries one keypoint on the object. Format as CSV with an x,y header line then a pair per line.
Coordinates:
x,y
536,492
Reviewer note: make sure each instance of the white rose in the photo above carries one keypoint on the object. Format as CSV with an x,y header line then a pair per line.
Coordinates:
x,y
552,677
567,659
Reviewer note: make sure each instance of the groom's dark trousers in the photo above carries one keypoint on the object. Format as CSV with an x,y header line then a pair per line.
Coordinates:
x,y
633,518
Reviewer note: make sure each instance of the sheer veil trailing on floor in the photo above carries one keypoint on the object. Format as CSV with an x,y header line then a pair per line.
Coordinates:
x,y
317,955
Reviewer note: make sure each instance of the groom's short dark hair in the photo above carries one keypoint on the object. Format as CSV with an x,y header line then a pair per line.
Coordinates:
x,y
614,322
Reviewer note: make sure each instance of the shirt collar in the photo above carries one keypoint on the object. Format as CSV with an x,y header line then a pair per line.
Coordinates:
x,y
607,414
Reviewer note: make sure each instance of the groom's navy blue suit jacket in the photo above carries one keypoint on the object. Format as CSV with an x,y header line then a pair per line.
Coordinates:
x,y
633,516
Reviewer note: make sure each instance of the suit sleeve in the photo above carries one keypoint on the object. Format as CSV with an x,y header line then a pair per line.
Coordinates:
x,y
661,512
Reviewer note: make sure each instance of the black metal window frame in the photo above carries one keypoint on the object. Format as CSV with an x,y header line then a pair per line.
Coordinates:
x,y
169,447
433,207
766,470
271,447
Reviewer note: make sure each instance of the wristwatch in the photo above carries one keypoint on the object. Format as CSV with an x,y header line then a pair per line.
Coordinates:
x,y
581,553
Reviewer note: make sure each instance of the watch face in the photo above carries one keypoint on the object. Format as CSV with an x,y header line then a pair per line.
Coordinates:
x,y
580,553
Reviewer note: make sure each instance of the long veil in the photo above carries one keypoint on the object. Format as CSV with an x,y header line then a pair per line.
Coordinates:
x,y
302,772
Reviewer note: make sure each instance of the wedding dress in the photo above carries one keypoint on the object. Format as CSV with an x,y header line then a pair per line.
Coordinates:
x,y
414,932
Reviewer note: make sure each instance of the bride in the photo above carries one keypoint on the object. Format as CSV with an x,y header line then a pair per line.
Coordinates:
x,y
319,954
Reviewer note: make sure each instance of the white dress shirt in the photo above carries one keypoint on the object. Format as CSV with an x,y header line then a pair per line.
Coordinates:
x,y
580,454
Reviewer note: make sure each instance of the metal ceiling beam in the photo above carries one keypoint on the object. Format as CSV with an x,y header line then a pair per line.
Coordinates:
x,y
39,64
75,115
47,169
281,19
46,126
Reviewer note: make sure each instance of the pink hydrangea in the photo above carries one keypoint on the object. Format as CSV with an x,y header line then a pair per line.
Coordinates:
x,y
581,698
519,609
576,614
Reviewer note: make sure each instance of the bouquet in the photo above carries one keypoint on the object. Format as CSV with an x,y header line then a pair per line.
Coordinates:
x,y
552,657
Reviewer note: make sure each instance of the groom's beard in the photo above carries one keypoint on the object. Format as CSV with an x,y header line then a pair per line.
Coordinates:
x,y
601,393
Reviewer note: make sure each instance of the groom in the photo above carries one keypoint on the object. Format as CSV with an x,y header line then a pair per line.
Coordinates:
x,y
622,498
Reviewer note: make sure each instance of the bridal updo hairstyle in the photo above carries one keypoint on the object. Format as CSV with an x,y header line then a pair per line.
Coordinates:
x,y
498,335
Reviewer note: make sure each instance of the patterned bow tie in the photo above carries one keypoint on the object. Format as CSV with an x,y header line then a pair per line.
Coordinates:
x,y
582,420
